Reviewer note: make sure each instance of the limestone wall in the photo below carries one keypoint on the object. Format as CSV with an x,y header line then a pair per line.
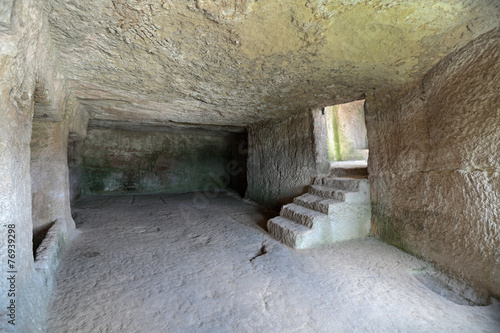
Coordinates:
x,y
75,166
435,165
285,156
168,161
49,177
237,167
347,132
33,171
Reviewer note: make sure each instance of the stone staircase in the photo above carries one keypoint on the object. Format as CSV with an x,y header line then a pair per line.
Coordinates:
x,y
336,208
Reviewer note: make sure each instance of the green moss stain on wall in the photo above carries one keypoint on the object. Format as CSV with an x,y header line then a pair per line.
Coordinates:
x,y
336,138
331,113
346,131
388,228
117,161
393,228
95,180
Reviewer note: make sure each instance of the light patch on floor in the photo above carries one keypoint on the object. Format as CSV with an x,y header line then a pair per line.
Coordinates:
x,y
151,263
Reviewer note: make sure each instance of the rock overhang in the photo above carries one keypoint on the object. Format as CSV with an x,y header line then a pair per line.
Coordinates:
x,y
231,63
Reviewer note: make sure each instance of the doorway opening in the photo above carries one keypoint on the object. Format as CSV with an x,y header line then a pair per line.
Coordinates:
x,y
346,132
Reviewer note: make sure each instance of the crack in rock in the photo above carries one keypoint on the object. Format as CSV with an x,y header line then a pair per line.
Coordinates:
x,y
262,251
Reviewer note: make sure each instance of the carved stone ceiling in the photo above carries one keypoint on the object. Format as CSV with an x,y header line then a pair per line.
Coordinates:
x,y
236,62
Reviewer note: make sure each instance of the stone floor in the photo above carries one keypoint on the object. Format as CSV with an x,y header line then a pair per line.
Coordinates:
x,y
183,263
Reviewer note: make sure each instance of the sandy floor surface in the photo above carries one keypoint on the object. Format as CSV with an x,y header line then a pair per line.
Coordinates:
x,y
176,263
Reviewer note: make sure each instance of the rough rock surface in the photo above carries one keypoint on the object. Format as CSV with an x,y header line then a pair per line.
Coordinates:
x,y
284,157
434,164
347,132
236,62
145,263
142,161
32,90
221,64
49,177
75,168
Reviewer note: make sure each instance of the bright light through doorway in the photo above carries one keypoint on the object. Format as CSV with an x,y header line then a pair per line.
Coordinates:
x,y
347,140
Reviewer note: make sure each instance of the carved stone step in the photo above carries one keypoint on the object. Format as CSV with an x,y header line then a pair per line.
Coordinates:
x,y
340,183
305,216
316,203
288,232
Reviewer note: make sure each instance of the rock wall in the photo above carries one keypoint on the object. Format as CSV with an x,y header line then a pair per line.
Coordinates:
x,y
435,165
116,160
347,132
285,156
237,167
75,166
33,171
49,177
